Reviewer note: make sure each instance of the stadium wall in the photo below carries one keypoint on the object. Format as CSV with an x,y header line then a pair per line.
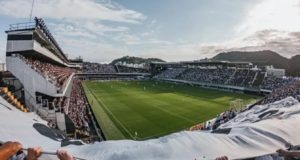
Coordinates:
x,y
17,43
32,81
39,48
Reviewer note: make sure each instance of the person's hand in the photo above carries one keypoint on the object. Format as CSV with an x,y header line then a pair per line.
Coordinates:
x,y
14,147
222,158
9,149
64,155
288,145
34,153
282,152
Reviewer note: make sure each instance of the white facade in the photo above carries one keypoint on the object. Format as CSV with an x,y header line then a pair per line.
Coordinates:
x,y
32,81
271,71
2,67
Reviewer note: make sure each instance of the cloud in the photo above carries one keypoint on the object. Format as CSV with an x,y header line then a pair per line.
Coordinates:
x,y
93,51
2,50
283,42
70,9
269,25
183,52
75,18
271,14
99,30
81,26
90,30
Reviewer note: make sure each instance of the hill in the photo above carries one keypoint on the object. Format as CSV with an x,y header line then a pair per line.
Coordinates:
x,y
294,64
262,58
135,60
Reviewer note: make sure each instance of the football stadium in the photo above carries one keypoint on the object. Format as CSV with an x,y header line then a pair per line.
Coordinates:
x,y
240,103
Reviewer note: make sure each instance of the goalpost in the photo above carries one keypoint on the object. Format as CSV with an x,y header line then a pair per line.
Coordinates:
x,y
238,104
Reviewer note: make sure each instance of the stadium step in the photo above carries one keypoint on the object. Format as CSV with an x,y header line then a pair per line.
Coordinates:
x,y
10,97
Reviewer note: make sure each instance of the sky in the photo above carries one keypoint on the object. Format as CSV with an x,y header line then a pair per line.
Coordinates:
x,y
173,30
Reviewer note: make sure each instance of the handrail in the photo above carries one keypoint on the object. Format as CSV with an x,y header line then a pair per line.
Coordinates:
x,y
39,24
19,26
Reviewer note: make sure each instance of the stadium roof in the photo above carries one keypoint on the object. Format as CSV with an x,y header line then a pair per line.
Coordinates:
x,y
203,63
40,27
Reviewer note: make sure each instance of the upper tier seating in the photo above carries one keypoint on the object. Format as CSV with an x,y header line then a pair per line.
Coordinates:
x,y
170,73
53,73
216,76
226,76
98,68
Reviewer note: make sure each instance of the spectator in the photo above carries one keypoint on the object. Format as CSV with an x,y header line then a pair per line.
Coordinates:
x,y
209,126
292,152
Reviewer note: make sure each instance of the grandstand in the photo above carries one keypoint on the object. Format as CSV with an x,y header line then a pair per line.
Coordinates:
x,y
229,75
170,107
47,76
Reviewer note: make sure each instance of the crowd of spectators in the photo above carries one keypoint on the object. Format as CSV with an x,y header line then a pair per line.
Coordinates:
x,y
170,73
220,76
77,110
259,79
59,104
249,78
53,73
289,89
239,77
223,118
206,75
272,82
192,74
226,76
220,119
98,68
200,126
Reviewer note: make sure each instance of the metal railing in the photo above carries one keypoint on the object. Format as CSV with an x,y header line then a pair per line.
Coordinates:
x,y
20,26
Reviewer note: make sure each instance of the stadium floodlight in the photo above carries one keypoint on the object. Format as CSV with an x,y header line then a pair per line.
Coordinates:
x,y
31,10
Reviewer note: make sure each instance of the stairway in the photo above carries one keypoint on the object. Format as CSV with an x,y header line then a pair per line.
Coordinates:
x,y
10,98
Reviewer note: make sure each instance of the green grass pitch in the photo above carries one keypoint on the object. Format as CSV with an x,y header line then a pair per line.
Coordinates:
x,y
148,109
